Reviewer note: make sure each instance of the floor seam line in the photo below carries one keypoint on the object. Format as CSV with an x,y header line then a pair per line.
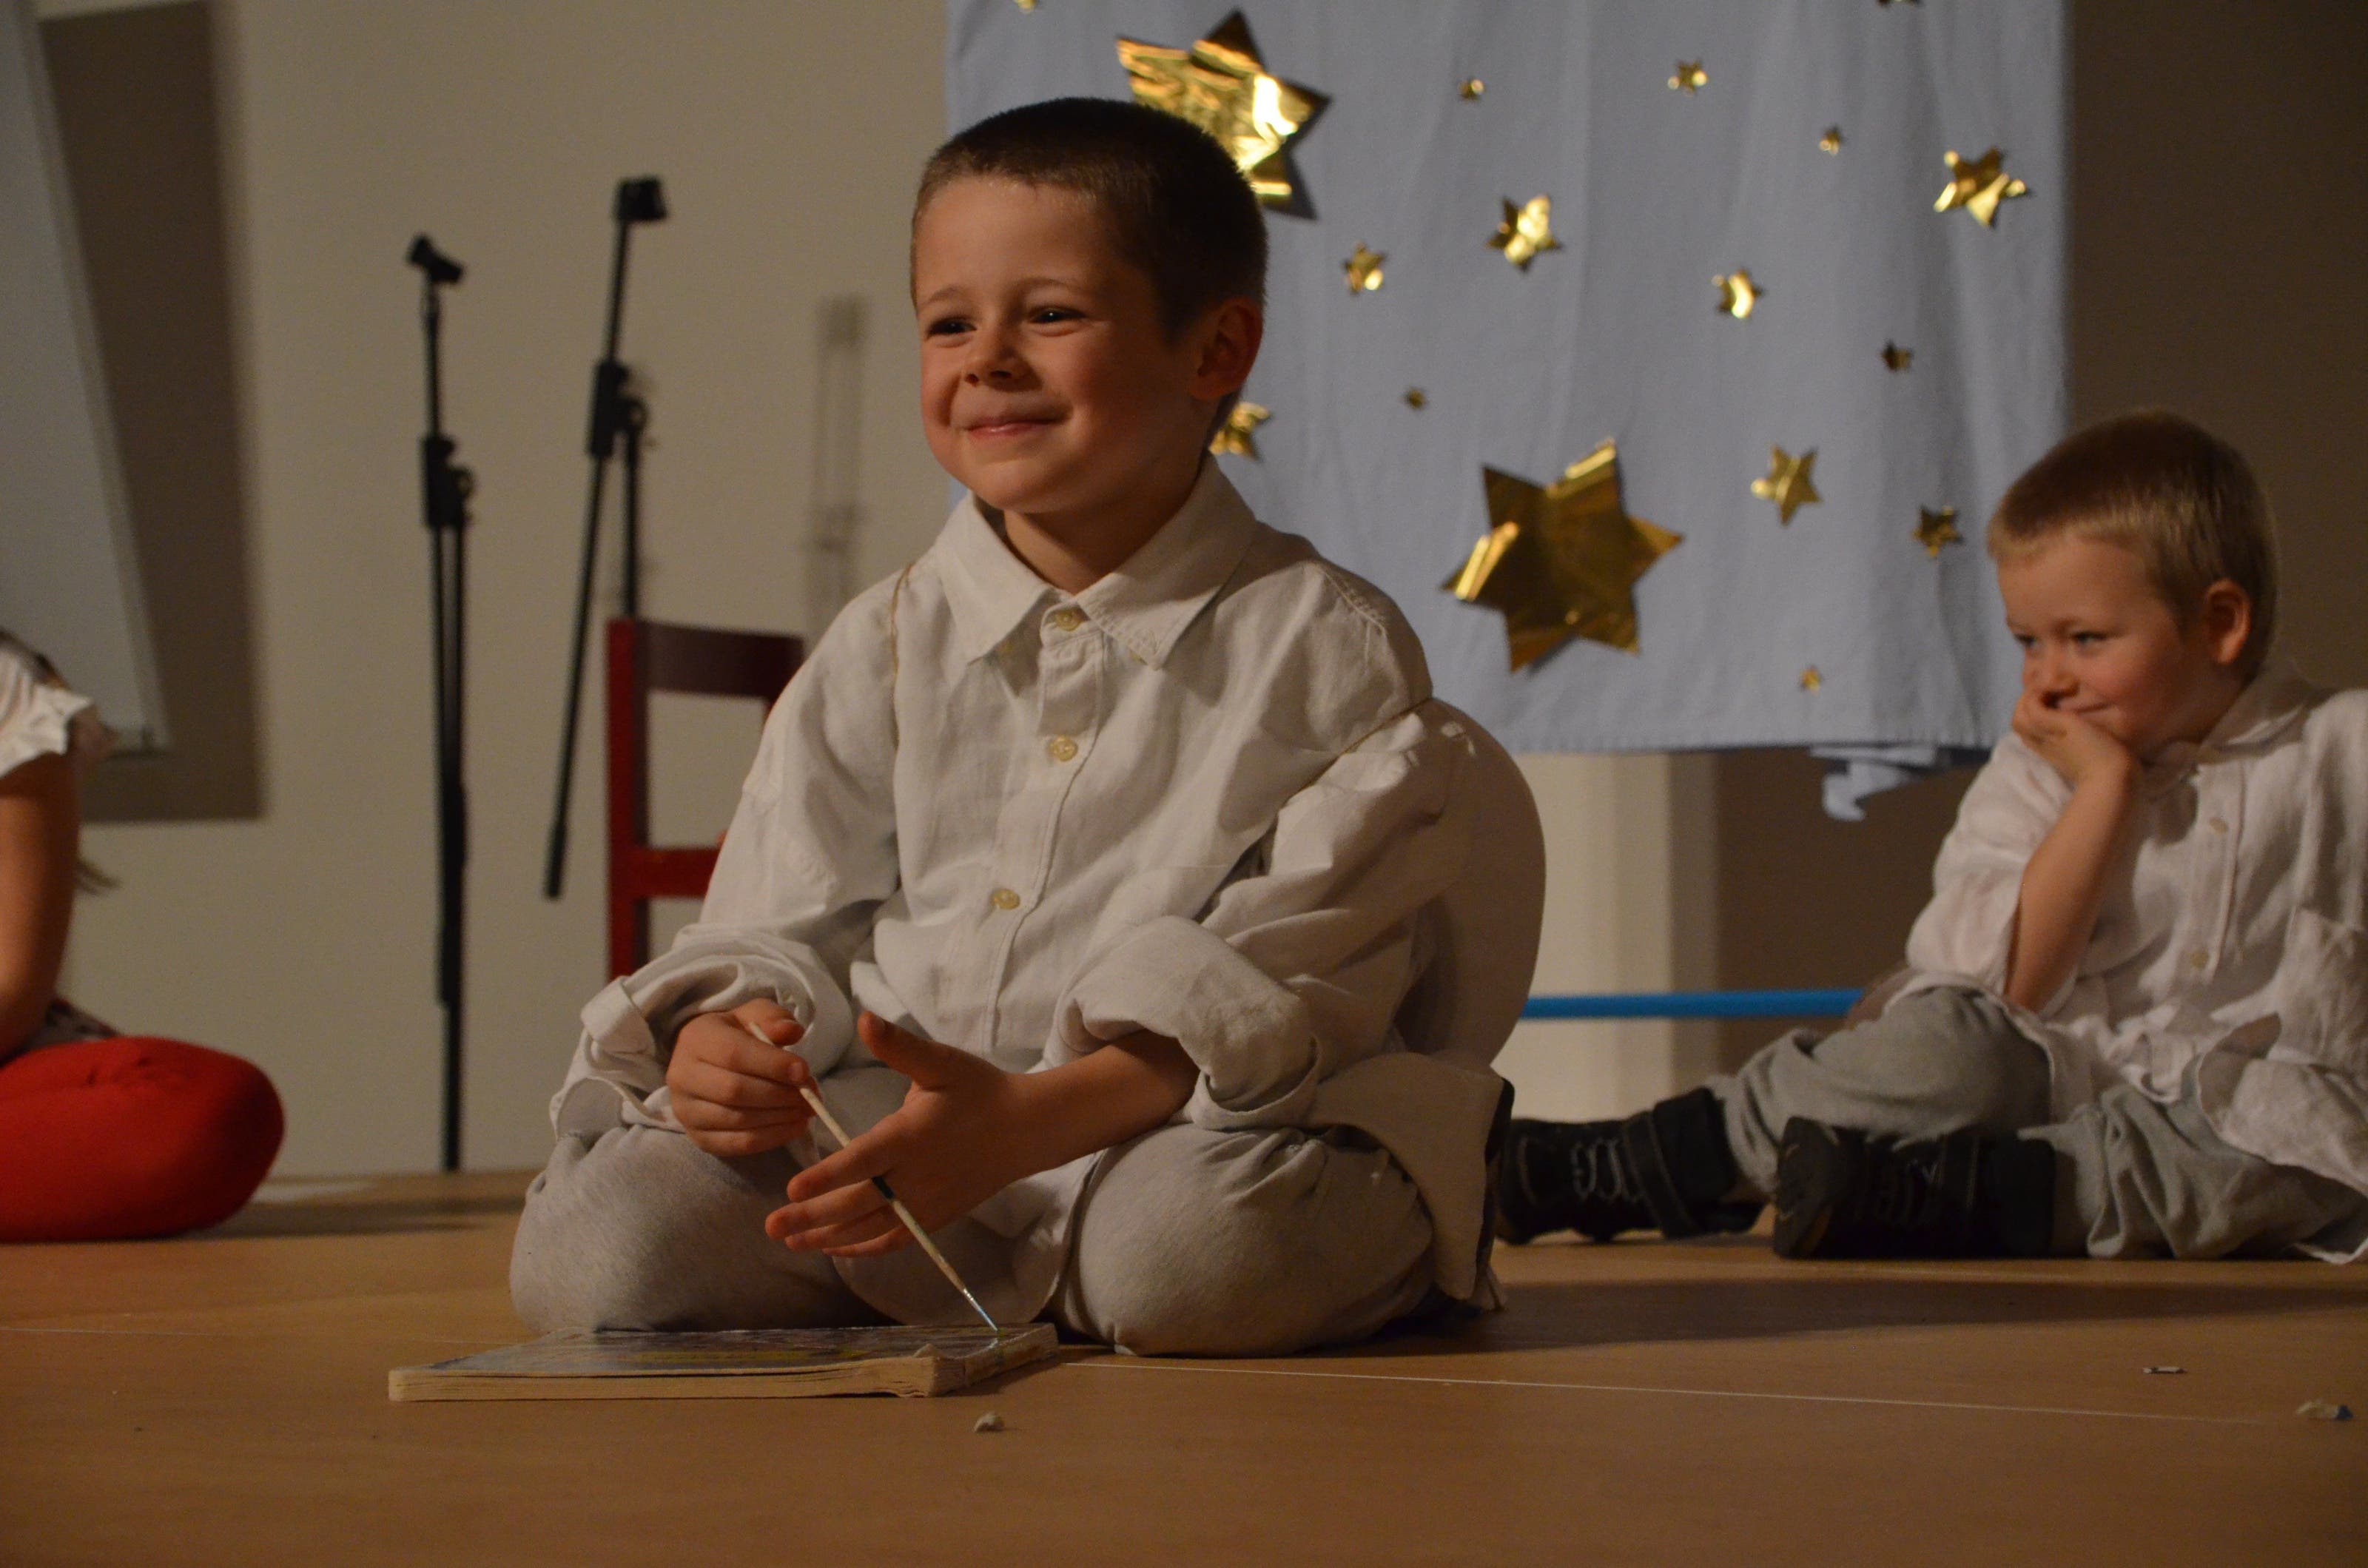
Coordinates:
x,y
1143,1365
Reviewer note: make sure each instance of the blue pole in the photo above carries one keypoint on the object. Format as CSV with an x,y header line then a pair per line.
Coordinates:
x,y
1831,1004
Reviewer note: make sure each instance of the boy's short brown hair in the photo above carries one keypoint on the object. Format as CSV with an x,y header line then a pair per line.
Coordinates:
x,y
2179,499
1178,207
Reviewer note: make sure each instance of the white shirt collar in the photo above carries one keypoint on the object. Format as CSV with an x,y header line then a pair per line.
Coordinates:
x,y
2272,703
1147,603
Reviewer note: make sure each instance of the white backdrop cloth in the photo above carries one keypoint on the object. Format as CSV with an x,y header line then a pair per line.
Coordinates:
x,y
1618,334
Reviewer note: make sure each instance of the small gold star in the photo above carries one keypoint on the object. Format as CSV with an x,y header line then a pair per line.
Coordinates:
x,y
1562,560
1221,85
1415,398
1831,141
1810,680
1472,88
1236,437
1025,5
1934,529
1691,77
1788,484
1895,359
1738,294
1364,269
1526,231
1978,186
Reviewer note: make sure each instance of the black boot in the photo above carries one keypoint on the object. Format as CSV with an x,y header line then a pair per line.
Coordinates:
x,y
1841,1194
1667,1168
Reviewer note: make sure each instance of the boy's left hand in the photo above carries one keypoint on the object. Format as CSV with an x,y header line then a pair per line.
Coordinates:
x,y
959,1137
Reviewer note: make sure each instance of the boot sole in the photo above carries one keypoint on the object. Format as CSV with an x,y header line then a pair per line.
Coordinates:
x,y
1814,1170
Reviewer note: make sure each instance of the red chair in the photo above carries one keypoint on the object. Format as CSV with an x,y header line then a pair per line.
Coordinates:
x,y
652,656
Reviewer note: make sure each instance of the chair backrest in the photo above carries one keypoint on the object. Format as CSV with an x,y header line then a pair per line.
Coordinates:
x,y
645,656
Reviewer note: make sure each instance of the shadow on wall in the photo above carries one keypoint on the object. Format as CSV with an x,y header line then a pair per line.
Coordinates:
x,y
137,124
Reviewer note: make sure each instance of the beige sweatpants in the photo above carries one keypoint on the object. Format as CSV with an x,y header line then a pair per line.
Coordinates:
x,y
1188,1242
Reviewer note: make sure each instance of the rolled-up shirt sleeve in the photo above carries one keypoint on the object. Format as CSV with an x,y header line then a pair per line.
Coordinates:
x,y
1296,972
1968,929
809,857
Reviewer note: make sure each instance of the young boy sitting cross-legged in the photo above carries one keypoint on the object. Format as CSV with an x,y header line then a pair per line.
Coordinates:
x,y
2137,1016
1103,869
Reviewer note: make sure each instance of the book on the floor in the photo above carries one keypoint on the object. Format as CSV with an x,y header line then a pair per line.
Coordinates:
x,y
762,1363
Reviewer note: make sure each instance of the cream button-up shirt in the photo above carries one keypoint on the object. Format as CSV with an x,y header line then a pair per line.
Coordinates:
x,y
2232,946
1209,796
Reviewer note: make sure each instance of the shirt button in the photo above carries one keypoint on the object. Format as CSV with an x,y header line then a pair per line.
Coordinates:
x,y
1003,898
1068,619
1060,748
2218,824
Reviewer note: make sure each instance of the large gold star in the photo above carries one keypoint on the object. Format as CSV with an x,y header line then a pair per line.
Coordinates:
x,y
1788,484
1562,561
1934,529
1237,435
1526,231
1222,85
1738,294
1978,186
1364,269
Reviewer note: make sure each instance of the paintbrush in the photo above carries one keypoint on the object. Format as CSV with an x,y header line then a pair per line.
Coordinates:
x,y
903,1214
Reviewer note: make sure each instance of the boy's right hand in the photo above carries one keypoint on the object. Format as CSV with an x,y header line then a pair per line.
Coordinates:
x,y
2077,749
733,1093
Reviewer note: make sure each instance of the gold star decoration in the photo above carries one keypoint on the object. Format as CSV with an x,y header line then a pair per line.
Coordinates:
x,y
1895,359
1810,680
1563,560
1934,529
1221,85
1526,231
1415,398
1831,141
1364,269
1737,292
1472,87
1237,435
1978,186
1691,77
1025,5
1787,482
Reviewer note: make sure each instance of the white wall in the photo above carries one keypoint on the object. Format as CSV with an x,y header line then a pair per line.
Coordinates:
x,y
789,137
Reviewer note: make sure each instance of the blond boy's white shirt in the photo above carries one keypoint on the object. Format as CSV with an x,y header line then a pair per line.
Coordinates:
x,y
2232,940
1209,796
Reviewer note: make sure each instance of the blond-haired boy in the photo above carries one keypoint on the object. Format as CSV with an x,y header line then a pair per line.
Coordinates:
x,y
1102,867
2136,1019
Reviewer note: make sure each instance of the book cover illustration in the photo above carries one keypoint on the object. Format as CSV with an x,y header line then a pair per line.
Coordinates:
x,y
734,1363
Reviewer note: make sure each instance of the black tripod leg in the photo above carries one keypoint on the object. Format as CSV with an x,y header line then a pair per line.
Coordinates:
x,y
554,864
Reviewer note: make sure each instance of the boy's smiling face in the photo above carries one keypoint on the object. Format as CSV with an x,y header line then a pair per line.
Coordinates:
x,y
1048,385
2099,643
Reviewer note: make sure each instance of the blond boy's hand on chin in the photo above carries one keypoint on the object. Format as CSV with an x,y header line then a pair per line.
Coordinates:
x,y
2083,752
733,1094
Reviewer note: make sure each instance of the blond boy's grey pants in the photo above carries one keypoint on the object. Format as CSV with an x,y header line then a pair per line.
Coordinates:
x,y
1188,1242
2136,1178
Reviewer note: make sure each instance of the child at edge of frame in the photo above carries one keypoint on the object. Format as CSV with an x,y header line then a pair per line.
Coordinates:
x,y
1110,870
2133,1019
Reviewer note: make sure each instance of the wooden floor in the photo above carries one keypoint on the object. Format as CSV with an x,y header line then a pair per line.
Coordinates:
x,y
222,1400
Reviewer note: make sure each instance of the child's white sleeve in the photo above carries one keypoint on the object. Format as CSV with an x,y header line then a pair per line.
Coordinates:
x,y
1968,929
809,855
1296,972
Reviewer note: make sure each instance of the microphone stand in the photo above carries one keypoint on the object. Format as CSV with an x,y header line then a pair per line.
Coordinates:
x,y
616,412
444,495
